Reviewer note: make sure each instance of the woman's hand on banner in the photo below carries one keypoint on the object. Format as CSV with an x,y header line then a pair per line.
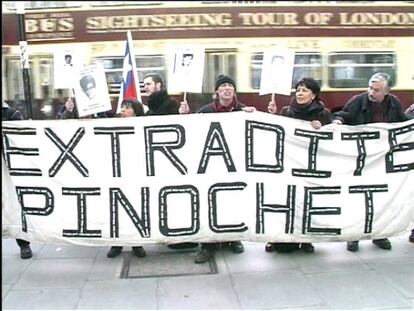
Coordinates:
x,y
249,109
316,124
337,121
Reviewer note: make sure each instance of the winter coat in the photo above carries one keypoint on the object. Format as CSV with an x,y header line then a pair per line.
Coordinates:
x,y
314,111
160,103
10,114
211,107
358,110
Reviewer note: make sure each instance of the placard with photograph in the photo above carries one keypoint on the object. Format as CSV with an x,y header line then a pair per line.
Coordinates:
x,y
277,71
91,90
186,67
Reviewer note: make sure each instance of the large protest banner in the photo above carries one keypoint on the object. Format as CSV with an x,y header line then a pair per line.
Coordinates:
x,y
205,177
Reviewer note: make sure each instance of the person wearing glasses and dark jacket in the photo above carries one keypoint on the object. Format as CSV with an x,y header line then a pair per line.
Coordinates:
x,y
373,106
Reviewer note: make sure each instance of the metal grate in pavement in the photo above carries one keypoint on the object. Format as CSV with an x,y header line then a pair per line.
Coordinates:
x,y
169,263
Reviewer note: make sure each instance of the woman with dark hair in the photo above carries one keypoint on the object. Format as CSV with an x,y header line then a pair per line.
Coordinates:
x,y
68,110
306,105
131,108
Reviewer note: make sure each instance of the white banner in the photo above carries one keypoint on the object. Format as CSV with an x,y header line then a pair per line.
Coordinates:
x,y
205,177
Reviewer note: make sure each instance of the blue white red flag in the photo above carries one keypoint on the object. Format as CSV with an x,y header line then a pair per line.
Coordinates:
x,y
130,83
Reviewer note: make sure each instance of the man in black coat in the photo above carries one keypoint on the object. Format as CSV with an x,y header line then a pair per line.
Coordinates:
x,y
159,102
11,114
375,105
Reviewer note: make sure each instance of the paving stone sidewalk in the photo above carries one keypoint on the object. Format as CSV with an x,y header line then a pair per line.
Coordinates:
x,y
70,277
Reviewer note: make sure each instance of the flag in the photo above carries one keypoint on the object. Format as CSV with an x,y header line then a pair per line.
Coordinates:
x,y
130,83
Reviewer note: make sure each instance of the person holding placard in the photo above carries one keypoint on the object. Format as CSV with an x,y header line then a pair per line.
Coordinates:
x,y
306,105
159,101
225,101
131,108
68,110
373,106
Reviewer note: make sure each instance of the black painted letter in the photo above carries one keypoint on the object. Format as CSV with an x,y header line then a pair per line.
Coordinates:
x,y
395,147
311,171
81,231
280,139
165,147
114,133
212,207
30,210
195,210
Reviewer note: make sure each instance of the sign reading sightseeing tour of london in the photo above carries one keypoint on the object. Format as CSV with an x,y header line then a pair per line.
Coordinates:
x,y
214,21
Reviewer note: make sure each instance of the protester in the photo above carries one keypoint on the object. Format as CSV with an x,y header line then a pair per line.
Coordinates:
x,y
373,106
306,105
410,113
225,101
160,103
58,103
68,110
11,114
129,108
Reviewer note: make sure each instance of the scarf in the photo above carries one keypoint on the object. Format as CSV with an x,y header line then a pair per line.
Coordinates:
x,y
217,107
304,111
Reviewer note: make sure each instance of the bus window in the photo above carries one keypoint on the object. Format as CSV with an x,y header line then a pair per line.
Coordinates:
x,y
256,70
145,64
306,65
216,63
349,70
14,81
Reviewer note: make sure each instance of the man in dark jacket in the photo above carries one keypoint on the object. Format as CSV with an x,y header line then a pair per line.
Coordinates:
x,y
11,114
375,105
159,102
